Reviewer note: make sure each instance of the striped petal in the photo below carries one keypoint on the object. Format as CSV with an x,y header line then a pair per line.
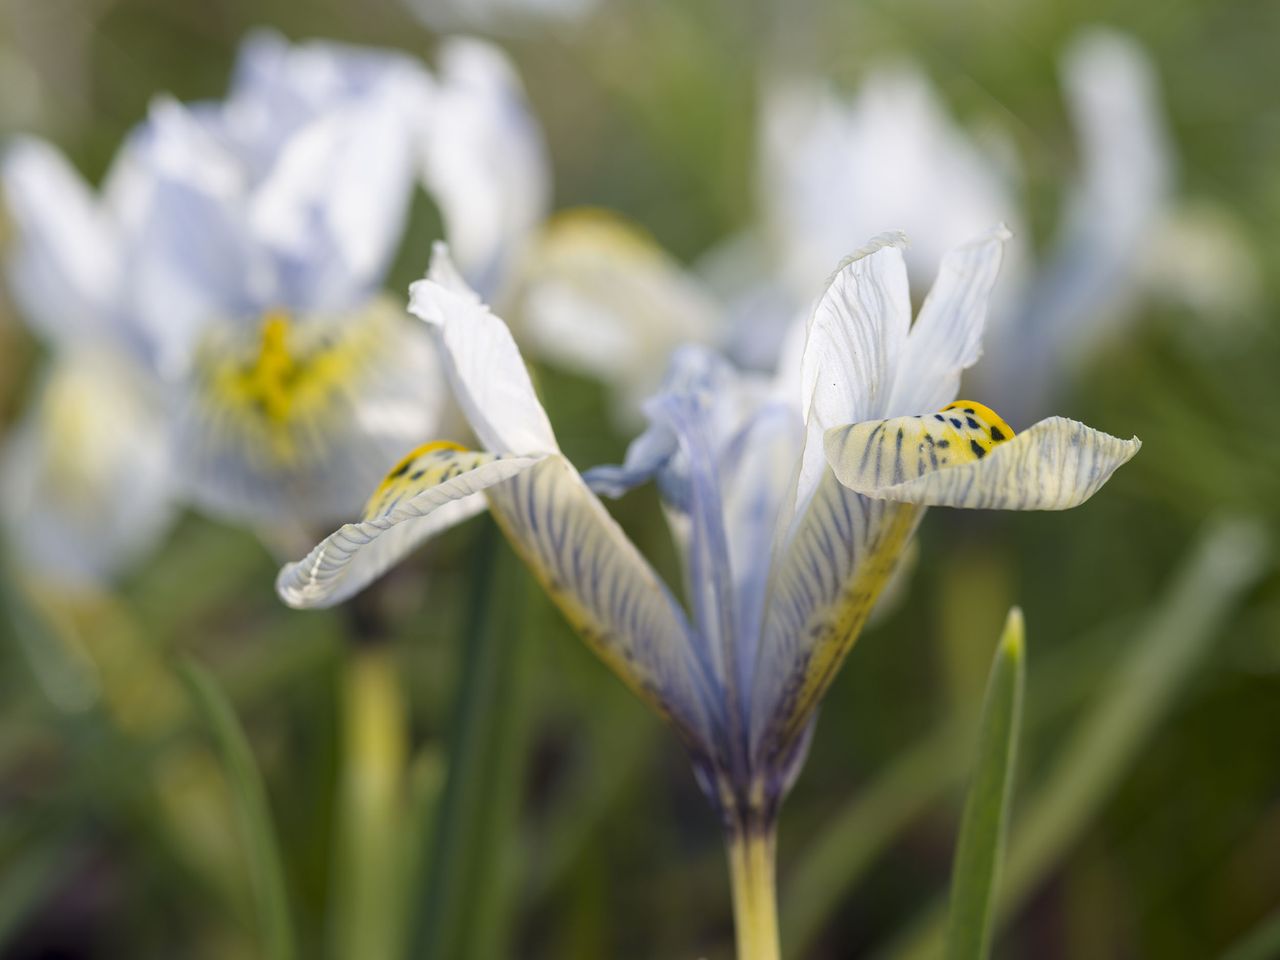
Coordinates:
x,y
484,365
947,335
1054,465
855,339
825,583
429,491
607,591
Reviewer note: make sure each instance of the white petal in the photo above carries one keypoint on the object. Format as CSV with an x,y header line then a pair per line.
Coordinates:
x,y
485,162
484,365
836,170
85,483
854,342
947,335
64,268
607,590
1054,465
347,561
307,442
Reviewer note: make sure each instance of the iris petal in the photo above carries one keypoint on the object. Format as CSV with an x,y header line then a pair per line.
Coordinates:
x,y
1054,465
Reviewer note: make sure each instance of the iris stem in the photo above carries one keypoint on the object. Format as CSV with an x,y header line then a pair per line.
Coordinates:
x,y
752,851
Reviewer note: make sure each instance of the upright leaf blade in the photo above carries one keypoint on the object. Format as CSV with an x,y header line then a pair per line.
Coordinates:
x,y
976,874
249,798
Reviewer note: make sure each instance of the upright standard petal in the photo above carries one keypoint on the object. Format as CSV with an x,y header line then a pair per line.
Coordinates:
x,y
854,342
1054,465
484,365
946,338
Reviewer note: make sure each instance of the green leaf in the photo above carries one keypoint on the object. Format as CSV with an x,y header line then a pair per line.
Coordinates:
x,y
1260,943
976,873
1160,659
252,812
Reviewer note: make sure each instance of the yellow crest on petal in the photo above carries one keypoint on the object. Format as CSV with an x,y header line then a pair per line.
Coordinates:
x,y
426,466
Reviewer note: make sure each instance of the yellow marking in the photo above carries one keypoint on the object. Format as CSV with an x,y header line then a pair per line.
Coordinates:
x,y
419,470
278,395
591,229
984,435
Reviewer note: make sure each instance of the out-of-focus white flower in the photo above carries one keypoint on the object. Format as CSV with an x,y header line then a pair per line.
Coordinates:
x,y
836,170
1088,280
602,298
267,224
485,164
85,480
832,171
85,485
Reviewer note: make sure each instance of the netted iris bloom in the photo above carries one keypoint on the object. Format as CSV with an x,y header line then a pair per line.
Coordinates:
x,y
268,222
792,501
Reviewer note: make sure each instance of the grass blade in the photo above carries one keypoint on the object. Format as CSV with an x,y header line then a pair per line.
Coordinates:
x,y
1161,658
249,798
976,873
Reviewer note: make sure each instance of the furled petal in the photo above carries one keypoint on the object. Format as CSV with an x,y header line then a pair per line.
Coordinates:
x,y
602,298
855,339
484,365
608,591
947,335
300,418
1054,465
430,490
85,481
484,162
64,267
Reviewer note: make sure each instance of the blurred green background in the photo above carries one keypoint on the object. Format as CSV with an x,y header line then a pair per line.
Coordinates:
x,y
1147,812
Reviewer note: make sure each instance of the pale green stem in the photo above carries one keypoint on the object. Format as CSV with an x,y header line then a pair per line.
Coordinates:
x,y
752,850
370,879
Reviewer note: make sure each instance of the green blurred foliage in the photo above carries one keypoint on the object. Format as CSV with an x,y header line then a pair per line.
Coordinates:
x,y
116,830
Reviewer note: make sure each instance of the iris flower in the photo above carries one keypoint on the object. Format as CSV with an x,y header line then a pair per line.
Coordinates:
x,y
268,223
792,500
86,483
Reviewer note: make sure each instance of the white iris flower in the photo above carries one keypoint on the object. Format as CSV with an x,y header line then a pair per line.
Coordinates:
x,y
793,501
86,487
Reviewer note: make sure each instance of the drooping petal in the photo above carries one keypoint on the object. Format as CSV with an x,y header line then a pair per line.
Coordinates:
x,y
429,491
484,365
484,162
608,592
301,418
1054,465
86,488
64,266
854,342
602,298
947,335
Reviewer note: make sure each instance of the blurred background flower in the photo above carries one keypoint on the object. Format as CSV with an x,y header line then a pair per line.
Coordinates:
x,y
1145,821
